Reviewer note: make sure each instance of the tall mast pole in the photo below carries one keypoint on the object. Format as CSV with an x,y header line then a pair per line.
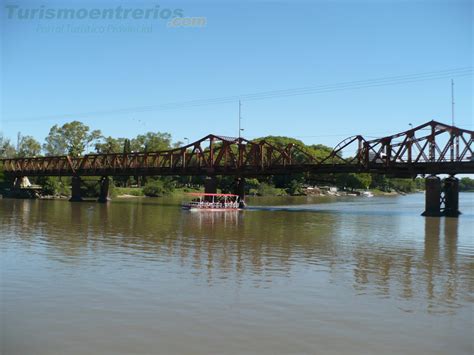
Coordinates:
x,y
455,139
452,102
240,117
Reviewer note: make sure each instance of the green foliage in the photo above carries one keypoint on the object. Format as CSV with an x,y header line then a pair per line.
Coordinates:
x,y
154,189
402,185
317,150
28,147
354,181
51,186
71,138
151,142
160,187
386,184
265,189
226,184
364,180
466,184
54,186
321,151
90,186
380,182
281,141
111,145
7,150
120,191
295,188
252,184
4,183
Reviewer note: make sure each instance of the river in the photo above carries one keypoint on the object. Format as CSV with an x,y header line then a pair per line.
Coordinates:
x,y
287,276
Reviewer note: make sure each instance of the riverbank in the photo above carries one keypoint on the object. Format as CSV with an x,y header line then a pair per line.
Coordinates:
x,y
138,192
134,192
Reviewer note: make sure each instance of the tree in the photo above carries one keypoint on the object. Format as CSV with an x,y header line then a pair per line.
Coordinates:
x,y
28,147
354,181
159,187
71,138
7,150
381,182
295,188
364,180
466,184
111,145
294,183
151,142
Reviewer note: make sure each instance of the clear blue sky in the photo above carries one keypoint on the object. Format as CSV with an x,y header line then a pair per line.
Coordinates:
x,y
246,47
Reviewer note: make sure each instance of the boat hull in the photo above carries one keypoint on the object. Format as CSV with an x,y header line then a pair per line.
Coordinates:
x,y
199,209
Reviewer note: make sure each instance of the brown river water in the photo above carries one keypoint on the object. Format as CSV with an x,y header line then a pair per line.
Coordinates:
x,y
287,276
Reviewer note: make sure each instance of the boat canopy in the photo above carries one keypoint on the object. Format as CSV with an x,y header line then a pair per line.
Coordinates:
x,y
209,194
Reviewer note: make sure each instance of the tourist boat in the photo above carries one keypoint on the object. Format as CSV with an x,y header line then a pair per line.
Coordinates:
x,y
213,202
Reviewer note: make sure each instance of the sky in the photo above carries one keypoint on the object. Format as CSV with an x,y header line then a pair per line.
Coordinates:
x,y
130,76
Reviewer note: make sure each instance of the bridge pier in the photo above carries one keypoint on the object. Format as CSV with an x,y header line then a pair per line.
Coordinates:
x,y
240,190
21,182
434,200
104,184
17,182
432,196
210,186
451,197
76,189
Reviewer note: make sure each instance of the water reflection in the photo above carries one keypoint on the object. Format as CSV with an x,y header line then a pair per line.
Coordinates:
x,y
389,257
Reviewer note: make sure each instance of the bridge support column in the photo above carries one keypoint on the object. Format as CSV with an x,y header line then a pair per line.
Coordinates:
x,y
432,196
104,183
451,197
76,189
17,183
210,186
21,182
240,190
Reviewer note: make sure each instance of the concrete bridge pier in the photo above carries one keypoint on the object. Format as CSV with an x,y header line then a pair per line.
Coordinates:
x,y
104,183
21,182
432,196
17,182
210,186
451,197
240,190
76,189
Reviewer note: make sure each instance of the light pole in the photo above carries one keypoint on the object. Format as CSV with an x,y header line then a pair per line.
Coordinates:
x,y
240,119
186,139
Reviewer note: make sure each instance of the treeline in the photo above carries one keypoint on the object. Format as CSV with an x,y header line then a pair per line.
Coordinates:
x,y
466,184
75,139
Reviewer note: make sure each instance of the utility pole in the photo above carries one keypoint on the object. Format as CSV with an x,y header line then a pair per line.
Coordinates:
x,y
240,118
452,102
455,140
18,140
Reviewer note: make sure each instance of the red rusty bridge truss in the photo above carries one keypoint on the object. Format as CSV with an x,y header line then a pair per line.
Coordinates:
x,y
431,148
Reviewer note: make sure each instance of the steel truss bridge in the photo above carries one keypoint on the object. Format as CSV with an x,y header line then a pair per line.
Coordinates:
x,y
431,148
